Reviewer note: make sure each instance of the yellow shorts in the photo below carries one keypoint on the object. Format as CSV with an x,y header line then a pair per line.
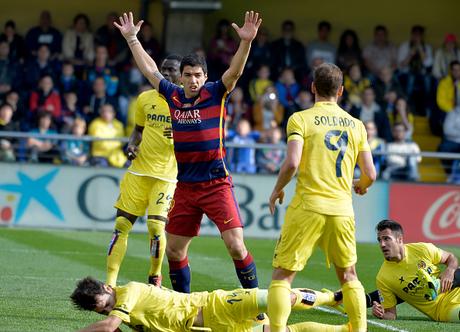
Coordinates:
x,y
230,311
303,230
141,193
451,311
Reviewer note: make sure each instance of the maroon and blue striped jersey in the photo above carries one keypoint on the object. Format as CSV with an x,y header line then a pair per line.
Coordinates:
x,y
198,130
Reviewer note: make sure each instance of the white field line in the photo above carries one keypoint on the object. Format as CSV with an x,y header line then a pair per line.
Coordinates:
x,y
372,322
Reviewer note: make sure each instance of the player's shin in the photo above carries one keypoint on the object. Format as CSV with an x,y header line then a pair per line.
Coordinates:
x,y
247,272
117,248
354,301
179,273
279,305
157,239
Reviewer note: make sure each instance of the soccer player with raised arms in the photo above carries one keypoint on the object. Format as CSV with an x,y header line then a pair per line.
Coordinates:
x,y
150,180
198,112
324,145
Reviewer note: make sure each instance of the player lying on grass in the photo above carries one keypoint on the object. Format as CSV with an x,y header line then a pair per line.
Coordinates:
x,y
147,308
410,273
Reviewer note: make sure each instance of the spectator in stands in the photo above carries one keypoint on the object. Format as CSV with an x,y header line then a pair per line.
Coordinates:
x,y
354,84
15,41
380,53
68,81
260,54
98,97
349,51
401,114
243,159
149,42
6,124
132,107
131,79
321,48
445,55
371,111
267,112
287,88
70,112
376,144
76,151
262,80
415,59
303,101
108,36
46,99
10,71
44,34
448,91
39,66
102,68
78,43
287,52
237,109
13,99
107,152
451,138
221,49
401,167
385,84
41,149
269,160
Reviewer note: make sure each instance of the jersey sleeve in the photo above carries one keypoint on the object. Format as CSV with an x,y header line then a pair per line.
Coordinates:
x,y
295,129
363,143
433,252
127,298
166,88
389,298
139,116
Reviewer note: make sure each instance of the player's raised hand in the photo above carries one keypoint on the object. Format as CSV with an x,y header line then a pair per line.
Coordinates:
x,y
127,27
276,195
251,24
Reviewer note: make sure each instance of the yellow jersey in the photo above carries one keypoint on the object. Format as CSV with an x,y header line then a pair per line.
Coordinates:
x,y
331,140
402,280
148,308
156,152
102,129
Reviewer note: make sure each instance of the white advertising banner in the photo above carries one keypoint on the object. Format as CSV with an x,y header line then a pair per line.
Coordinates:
x,y
83,198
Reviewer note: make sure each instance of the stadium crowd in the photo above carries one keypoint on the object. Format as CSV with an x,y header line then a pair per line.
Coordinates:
x,y
85,82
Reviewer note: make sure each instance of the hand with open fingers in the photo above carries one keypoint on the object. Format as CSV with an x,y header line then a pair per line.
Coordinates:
x,y
131,152
127,27
276,195
447,279
251,24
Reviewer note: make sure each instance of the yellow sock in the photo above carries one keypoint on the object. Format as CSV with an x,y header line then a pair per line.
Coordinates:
x,y
117,249
157,245
309,298
354,301
317,327
279,305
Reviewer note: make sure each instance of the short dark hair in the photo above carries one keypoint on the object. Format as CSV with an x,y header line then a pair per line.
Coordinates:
x,y
389,224
81,16
418,28
10,24
453,63
327,78
5,104
288,24
324,24
380,27
193,60
84,296
173,56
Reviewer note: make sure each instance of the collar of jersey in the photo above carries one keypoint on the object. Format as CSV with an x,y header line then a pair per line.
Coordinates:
x,y
325,103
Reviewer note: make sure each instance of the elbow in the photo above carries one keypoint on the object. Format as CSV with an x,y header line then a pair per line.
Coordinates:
x,y
291,166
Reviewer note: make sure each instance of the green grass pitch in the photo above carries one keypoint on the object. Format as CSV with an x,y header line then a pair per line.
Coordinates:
x,y
39,269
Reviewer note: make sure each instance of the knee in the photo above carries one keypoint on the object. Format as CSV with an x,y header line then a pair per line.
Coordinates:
x,y
347,274
237,249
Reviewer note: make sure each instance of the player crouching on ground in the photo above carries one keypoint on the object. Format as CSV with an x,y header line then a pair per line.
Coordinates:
x,y
147,308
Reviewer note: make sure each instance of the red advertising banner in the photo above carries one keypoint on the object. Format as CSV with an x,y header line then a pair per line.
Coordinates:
x,y
428,213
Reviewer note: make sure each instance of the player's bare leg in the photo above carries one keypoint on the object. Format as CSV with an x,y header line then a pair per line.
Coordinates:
x,y
354,299
156,228
179,269
119,243
242,259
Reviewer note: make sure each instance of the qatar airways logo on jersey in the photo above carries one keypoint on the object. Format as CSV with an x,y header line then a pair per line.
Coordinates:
x,y
187,117
442,220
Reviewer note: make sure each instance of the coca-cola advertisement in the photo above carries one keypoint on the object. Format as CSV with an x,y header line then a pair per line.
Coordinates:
x,y
428,213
